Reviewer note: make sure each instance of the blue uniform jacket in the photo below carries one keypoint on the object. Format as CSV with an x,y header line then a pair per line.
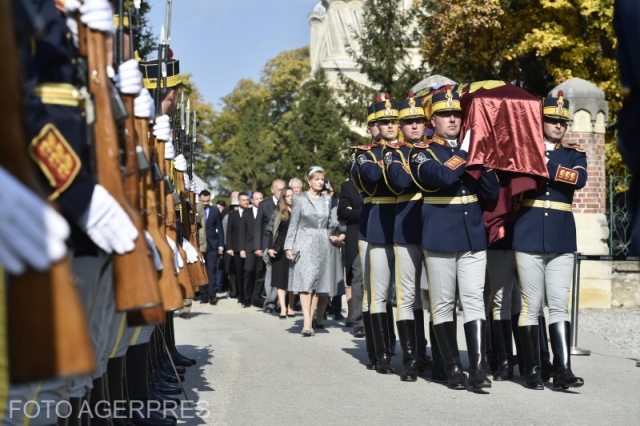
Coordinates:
x,y
439,169
373,176
547,230
363,190
408,221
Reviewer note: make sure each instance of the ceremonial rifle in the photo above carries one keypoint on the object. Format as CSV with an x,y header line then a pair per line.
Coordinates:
x,y
46,327
135,283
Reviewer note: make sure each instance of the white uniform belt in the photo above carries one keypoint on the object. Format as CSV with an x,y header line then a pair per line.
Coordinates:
x,y
383,200
546,204
465,199
409,197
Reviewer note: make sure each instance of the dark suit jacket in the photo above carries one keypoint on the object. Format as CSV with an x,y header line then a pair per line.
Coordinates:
x,y
214,229
349,197
233,241
261,239
247,231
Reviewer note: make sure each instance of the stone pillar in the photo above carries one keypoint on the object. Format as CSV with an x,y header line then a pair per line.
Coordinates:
x,y
588,111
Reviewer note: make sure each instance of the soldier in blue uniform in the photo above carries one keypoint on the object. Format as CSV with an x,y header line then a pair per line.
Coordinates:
x,y
545,240
454,237
380,222
409,272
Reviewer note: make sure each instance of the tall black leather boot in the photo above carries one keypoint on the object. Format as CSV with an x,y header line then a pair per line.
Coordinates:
x,y
75,417
97,398
476,334
437,370
516,339
423,362
504,350
545,356
563,376
115,383
407,334
530,344
368,337
392,329
448,344
379,325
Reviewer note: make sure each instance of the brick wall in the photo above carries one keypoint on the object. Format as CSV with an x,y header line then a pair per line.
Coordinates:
x,y
591,198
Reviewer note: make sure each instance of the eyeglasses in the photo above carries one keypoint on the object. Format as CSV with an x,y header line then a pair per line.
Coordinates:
x,y
416,120
386,122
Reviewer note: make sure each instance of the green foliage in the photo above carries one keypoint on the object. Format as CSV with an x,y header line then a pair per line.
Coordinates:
x,y
146,43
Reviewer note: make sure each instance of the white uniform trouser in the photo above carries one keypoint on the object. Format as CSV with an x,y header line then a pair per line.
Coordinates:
x,y
408,274
544,272
442,270
381,266
501,269
363,253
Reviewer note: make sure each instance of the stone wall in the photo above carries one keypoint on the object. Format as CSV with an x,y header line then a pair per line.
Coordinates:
x,y
625,285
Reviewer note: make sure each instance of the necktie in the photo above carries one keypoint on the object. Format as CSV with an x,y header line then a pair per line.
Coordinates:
x,y
206,212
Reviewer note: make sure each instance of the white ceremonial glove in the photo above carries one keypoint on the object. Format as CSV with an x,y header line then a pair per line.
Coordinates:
x,y
143,106
177,260
33,234
129,78
180,163
157,261
466,142
169,151
97,15
187,183
194,189
107,224
162,128
546,159
192,253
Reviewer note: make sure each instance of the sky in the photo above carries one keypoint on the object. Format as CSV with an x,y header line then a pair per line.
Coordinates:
x,y
223,41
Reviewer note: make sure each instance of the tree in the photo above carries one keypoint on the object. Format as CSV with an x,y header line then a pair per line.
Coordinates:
x,y
146,43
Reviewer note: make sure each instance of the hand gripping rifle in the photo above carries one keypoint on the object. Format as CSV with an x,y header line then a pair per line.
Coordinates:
x,y
166,278
47,335
135,282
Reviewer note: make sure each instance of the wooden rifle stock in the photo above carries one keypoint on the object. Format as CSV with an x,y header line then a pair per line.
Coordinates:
x,y
135,283
47,330
197,271
193,224
168,211
169,287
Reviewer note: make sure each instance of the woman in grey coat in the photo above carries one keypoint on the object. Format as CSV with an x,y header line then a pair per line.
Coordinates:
x,y
308,245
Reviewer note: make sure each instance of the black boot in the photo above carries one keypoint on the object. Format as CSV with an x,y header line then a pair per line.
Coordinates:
x,y
563,376
407,334
476,335
516,338
530,345
504,350
379,326
75,418
392,329
368,335
423,362
437,370
448,344
97,398
545,356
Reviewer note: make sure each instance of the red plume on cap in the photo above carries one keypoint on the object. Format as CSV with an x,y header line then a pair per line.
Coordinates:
x,y
410,95
378,99
560,93
170,53
387,96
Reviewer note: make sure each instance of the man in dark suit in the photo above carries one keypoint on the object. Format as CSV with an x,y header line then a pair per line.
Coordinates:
x,y
235,244
265,210
349,207
252,261
215,247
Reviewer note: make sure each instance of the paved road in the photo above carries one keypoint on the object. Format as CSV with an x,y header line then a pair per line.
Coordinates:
x,y
255,369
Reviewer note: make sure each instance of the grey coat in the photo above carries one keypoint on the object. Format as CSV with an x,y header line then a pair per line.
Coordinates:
x,y
312,271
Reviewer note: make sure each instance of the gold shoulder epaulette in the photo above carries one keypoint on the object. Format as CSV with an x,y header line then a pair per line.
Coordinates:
x,y
396,144
363,147
576,146
423,144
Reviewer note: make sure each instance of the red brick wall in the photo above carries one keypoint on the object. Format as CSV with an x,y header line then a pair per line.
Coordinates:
x,y
591,198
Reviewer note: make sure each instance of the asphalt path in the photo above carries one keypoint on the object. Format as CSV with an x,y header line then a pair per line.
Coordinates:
x,y
256,369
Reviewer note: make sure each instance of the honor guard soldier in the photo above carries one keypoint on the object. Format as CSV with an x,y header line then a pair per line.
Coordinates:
x,y
545,240
380,227
454,238
409,272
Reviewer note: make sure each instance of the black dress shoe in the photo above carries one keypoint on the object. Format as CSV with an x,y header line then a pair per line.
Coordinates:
x,y
455,378
338,316
268,310
178,357
165,388
204,300
166,366
358,332
184,315
213,301
154,395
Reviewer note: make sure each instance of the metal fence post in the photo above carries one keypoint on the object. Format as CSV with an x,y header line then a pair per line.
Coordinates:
x,y
575,350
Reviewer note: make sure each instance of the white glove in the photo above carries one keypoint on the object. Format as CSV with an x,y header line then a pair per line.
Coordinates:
x,y
169,152
546,159
466,142
129,78
97,15
180,163
177,260
192,253
32,233
157,261
143,106
107,224
194,189
187,183
162,128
